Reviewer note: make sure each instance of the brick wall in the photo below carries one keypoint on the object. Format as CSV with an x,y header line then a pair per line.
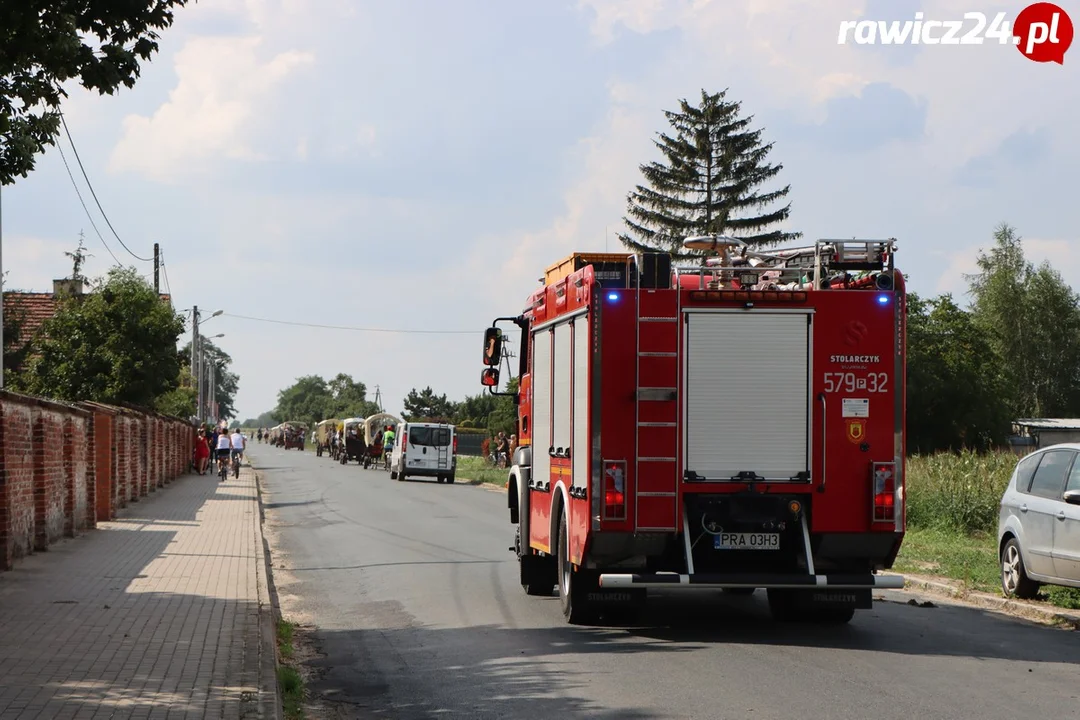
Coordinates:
x,y
65,467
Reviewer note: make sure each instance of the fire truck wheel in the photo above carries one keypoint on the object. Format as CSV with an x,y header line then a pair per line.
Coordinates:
x,y
573,586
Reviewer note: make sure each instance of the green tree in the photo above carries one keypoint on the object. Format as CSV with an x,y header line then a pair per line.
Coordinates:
x,y
226,382
265,420
307,400
115,344
504,418
708,182
45,43
426,406
180,401
475,410
348,398
954,390
1031,318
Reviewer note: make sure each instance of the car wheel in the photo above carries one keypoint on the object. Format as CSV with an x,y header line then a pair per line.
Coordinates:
x,y
1014,579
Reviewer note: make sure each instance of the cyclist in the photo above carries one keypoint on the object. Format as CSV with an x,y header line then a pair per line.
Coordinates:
x,y
387,444
224,444
239,444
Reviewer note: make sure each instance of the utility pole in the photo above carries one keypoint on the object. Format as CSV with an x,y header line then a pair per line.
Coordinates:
x,y
210,390
157,265
196,369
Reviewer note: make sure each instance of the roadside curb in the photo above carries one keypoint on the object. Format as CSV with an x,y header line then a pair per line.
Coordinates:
x,y
490,487
269,613
1017,608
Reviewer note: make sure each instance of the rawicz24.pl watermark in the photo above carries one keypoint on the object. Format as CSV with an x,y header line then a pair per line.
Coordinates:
x,y
1042,32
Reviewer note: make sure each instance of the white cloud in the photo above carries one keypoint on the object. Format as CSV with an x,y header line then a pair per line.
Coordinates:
x,y
32,263
222,81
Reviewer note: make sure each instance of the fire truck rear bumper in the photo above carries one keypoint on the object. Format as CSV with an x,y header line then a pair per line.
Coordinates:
x,y
704,581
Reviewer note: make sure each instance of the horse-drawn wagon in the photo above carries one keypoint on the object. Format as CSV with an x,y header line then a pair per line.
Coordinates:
x,y
351,446
324,435
374,427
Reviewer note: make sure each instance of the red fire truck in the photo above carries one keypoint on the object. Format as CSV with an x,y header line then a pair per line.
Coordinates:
x,y
734,424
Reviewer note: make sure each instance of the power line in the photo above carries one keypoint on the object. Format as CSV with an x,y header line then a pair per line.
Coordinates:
x,y
83,202
94,194
357,329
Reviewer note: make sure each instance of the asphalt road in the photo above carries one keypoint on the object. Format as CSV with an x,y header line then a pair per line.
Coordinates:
x,y
418,611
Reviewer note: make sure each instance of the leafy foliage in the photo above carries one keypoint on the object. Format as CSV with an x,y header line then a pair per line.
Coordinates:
x,y
48,42
1014,354
180,401
348,398
955,393
265,420
226,382
426,406
115,344
1031,318
312,399
708,183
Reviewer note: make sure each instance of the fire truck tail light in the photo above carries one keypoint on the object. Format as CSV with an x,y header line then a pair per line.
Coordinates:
x,y
614,491
884,479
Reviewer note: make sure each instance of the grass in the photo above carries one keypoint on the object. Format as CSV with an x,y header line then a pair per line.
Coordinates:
x,y
952,503
292,685
479,470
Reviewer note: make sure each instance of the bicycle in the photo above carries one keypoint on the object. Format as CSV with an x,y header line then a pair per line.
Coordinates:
x,y
236,463
223,466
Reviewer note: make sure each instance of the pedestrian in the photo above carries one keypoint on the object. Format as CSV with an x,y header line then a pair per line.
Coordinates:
x,y
202,452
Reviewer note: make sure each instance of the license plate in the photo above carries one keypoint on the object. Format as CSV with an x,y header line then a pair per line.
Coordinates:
x,y
747,541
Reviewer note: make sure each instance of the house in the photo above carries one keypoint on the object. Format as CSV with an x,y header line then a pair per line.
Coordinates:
x,y
1031,434
28,311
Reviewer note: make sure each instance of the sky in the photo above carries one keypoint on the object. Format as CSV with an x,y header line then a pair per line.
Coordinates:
x,y
415,165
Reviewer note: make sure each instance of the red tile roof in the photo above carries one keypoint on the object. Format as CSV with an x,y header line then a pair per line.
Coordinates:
x,y
31,311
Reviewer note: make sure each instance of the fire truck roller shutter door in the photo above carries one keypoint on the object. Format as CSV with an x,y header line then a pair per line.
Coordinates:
x,y
747,394
562,405
580,456
541,435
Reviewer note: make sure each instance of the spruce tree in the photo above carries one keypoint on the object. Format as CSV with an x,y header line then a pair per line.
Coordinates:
x,y
708,183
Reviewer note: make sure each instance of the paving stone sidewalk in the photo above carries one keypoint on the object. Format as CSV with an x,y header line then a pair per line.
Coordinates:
x,y
163,612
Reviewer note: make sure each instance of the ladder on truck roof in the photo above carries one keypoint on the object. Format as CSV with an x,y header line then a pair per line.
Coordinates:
x,y
656,481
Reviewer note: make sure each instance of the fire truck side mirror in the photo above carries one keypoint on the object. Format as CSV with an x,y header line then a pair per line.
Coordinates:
x,y
492,346
490,377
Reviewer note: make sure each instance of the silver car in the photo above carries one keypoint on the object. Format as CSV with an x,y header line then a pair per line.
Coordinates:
x,y
1039,524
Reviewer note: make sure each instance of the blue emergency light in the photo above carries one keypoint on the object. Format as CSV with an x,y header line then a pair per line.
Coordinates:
x,y
613,296
882,299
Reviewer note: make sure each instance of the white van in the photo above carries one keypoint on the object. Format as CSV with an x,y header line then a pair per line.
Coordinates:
x,y
424,450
